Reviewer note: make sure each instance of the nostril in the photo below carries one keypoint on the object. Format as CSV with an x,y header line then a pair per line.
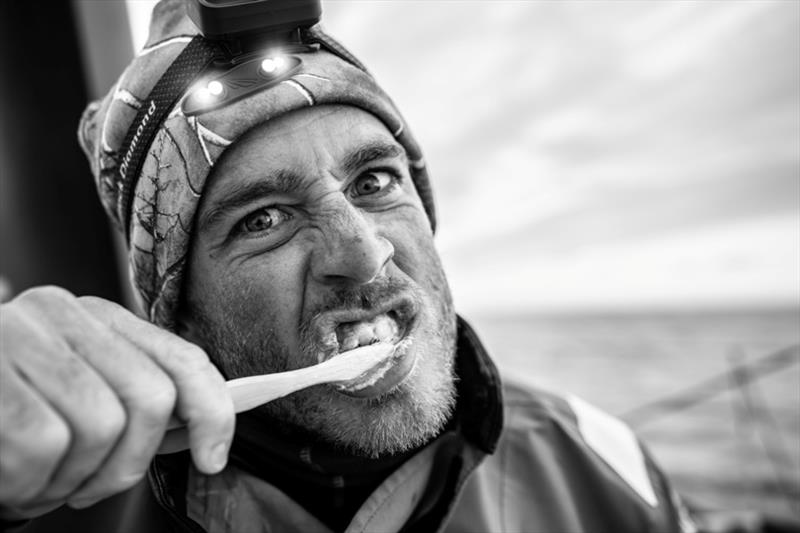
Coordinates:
x,y
358,259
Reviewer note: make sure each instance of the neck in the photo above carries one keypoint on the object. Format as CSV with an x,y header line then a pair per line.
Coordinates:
x,y
327,480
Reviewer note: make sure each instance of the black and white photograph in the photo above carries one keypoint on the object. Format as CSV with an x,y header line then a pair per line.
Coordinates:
x,y
400,266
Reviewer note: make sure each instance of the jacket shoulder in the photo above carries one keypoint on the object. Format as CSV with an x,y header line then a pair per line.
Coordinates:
x,y
528,407
521,395
588,429
588,466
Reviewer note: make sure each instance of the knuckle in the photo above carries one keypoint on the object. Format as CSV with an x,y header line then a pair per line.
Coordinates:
x,y
106,425
28,464
191,358
158,400
69,368
32,426
22,477
52,440
99,305
51,305
92,300
46,293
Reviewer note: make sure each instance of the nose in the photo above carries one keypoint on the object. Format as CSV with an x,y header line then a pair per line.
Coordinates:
x,y
352,250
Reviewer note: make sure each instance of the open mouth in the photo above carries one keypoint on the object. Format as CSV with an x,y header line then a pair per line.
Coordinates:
x,y
340,331
381,328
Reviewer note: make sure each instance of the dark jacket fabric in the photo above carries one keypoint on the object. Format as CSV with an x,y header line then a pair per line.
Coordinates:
x,y
518,459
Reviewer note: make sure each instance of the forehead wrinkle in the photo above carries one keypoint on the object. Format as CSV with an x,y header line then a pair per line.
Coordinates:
x,y
234,195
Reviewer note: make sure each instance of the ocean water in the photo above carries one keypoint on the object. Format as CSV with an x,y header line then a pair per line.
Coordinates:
x,y
715,395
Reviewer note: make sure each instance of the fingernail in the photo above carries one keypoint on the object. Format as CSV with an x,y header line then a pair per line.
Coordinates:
x,y
218,457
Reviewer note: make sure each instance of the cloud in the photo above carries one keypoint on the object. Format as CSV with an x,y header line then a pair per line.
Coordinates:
x,y
584,150
746,263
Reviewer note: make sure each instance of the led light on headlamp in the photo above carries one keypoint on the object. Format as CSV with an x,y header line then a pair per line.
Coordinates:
x,y
250,76
215,88
207,93
271,65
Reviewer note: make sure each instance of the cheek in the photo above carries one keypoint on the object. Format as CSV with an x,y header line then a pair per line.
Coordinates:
x,y
259,294
416,256
414,250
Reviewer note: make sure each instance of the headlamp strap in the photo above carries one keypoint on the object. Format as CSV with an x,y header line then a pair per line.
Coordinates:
x,y
190,63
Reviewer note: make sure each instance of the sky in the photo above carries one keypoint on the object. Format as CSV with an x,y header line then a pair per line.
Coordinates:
x,y
597,155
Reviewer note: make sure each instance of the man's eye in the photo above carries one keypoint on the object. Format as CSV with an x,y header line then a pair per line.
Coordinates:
x,y
372,182
265,219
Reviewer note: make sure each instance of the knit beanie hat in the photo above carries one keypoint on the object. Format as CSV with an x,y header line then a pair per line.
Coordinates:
x,y
155,206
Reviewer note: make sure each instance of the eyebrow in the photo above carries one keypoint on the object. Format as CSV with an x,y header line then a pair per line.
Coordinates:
x,y
239,195
288,182
370,152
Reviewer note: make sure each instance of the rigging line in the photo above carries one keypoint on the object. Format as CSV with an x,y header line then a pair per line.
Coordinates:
x,y
710,387
755,414
741,427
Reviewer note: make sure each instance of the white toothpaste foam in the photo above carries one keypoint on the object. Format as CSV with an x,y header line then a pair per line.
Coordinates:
x,y
374,374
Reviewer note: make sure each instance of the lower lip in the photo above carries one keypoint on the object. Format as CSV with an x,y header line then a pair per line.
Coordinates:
x,y
403,362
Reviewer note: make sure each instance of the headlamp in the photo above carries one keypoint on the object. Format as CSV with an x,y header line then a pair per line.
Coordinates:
x,y
248,23
247,31
243,48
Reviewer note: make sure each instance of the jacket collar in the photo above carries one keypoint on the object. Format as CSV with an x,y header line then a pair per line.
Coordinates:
x,y
480,396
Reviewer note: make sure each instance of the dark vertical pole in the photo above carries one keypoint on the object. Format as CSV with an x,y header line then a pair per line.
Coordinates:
x,y
52,229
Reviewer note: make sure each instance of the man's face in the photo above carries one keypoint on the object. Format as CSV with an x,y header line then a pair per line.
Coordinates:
x,y
311,240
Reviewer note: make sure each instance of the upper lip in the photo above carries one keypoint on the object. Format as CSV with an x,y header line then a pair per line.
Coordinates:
x,y
402,308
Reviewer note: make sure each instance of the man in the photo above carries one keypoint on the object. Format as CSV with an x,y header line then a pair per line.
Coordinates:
x,y
268,233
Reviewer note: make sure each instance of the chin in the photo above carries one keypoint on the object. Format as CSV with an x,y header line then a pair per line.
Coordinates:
x,y
382,419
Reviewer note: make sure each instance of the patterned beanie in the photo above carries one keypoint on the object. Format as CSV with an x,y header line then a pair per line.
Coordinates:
x,y
155,208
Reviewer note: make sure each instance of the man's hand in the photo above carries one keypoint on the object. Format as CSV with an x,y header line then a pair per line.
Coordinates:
x,y
86,390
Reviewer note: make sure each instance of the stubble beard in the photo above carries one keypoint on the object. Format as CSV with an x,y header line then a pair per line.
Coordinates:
x,y
405,418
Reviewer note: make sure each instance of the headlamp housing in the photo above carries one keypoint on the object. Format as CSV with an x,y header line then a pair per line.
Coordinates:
x,y
244,24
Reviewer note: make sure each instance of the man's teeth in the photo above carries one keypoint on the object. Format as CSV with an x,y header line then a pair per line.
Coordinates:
x,y
351,335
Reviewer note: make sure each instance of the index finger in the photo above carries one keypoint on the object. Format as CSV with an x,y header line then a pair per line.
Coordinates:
x,y
203,401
